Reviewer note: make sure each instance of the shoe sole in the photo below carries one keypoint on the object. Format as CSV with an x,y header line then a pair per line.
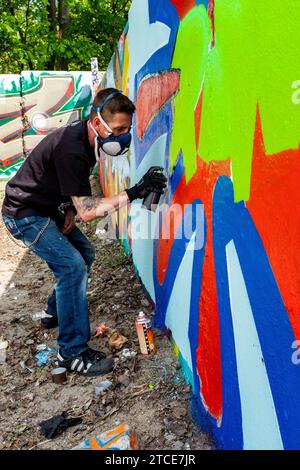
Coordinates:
x,y
48,327
87,374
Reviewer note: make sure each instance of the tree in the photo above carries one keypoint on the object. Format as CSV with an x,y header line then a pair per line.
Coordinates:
x,y
59,34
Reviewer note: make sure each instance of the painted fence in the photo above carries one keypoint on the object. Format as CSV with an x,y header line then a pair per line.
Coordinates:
x,y
216,86
32,105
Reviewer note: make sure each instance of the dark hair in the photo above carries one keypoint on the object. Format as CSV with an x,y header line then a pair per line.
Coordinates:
x,y
118,104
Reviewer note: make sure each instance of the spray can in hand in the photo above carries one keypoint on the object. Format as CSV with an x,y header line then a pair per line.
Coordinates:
x,y
150,202
145,334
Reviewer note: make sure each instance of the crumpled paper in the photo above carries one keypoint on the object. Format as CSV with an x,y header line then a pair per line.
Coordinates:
x,y
102,330
116,341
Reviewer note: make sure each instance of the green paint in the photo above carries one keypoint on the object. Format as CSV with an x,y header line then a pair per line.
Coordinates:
x,y
254,63
190,56
7,172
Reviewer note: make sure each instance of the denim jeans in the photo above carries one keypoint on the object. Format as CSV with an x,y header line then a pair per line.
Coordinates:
x,y
69,257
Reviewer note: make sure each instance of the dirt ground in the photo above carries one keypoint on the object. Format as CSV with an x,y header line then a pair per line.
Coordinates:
x,y
148,393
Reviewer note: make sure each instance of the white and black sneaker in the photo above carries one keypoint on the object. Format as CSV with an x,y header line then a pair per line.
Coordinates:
x,y
89,363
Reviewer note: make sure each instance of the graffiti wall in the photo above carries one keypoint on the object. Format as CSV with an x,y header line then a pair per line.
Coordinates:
x,y
32,105
217,90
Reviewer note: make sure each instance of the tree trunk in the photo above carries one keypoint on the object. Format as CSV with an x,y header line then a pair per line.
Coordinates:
x,y
64,20
51,11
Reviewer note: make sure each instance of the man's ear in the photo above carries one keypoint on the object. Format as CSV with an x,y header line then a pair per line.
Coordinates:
x,y
96,121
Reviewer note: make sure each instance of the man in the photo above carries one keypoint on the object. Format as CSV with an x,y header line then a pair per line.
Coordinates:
x,y
56,175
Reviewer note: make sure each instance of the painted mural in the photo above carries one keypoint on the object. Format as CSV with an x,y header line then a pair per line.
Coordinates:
x,y
217,90
32,105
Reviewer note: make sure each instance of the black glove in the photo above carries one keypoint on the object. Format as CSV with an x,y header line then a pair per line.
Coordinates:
x,y
153,180
54,426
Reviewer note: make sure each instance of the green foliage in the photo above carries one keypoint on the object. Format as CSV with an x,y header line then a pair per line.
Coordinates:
x,y
34,37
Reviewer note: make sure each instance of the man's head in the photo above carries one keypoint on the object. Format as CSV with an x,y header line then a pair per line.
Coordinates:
x,y
115,109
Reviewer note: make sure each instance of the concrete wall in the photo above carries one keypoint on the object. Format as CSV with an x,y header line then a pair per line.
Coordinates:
x,y
32,105
216,86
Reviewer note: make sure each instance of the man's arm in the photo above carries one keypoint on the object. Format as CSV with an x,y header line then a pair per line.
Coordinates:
x,y
90,207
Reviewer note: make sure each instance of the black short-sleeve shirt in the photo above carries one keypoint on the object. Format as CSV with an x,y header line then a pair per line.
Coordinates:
x,y
57,168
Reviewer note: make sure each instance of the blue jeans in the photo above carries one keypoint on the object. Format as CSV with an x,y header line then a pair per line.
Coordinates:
x,y
69,257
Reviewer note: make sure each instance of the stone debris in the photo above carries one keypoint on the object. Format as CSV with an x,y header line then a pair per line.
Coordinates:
x,y
149,394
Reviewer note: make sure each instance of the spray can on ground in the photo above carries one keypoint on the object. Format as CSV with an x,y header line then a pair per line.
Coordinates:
x,y
145,334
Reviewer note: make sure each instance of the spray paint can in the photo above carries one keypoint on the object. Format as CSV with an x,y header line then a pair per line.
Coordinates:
x,y
150,202
145,334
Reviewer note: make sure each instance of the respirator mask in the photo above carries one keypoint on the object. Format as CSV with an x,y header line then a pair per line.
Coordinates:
x,y
111,145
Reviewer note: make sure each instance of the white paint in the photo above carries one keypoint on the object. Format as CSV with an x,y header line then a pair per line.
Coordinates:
x,y
178,312
144,38
259,420
143,222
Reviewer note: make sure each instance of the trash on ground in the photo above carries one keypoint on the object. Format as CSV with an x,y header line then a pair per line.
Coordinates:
x,y
102,330
12,285
102,387
120,438
126,353
46,357
57,425
39,315
116,341
124,379
3,348
25,367
41,347
59,375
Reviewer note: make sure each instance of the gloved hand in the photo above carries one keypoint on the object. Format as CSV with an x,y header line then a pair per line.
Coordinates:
x,y
153,180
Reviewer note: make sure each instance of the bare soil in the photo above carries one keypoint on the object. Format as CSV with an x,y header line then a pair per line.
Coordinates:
x,y
148,393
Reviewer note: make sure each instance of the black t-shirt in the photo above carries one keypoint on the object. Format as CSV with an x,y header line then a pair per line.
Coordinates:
x,y
57,168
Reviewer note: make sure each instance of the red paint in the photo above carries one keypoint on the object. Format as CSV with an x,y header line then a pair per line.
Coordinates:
x,y
211,14
183,6
274,205
69,92
6,161
208,354
153,93
198,115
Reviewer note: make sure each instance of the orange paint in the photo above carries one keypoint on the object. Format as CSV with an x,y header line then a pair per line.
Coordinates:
x,y
274,205
208,359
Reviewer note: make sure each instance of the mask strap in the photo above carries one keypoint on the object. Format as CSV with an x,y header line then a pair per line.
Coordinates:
x,y
99,109
94,130
96,150
97,156
104,123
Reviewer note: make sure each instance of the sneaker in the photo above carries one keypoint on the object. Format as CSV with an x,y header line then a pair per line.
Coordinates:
x,y
49,322
89,363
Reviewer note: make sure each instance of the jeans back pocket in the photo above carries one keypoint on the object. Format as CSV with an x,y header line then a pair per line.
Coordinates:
x,y
11,226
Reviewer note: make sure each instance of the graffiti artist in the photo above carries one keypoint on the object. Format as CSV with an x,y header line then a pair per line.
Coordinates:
x,y
39,209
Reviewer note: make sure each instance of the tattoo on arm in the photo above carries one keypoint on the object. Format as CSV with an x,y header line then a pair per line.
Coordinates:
x,y
86,206
89,203
91,207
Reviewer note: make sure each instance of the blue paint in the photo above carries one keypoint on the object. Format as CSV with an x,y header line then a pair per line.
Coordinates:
x,y
160,125
164,12
259,420
177,173
231,221
177,315
202,2
163,292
